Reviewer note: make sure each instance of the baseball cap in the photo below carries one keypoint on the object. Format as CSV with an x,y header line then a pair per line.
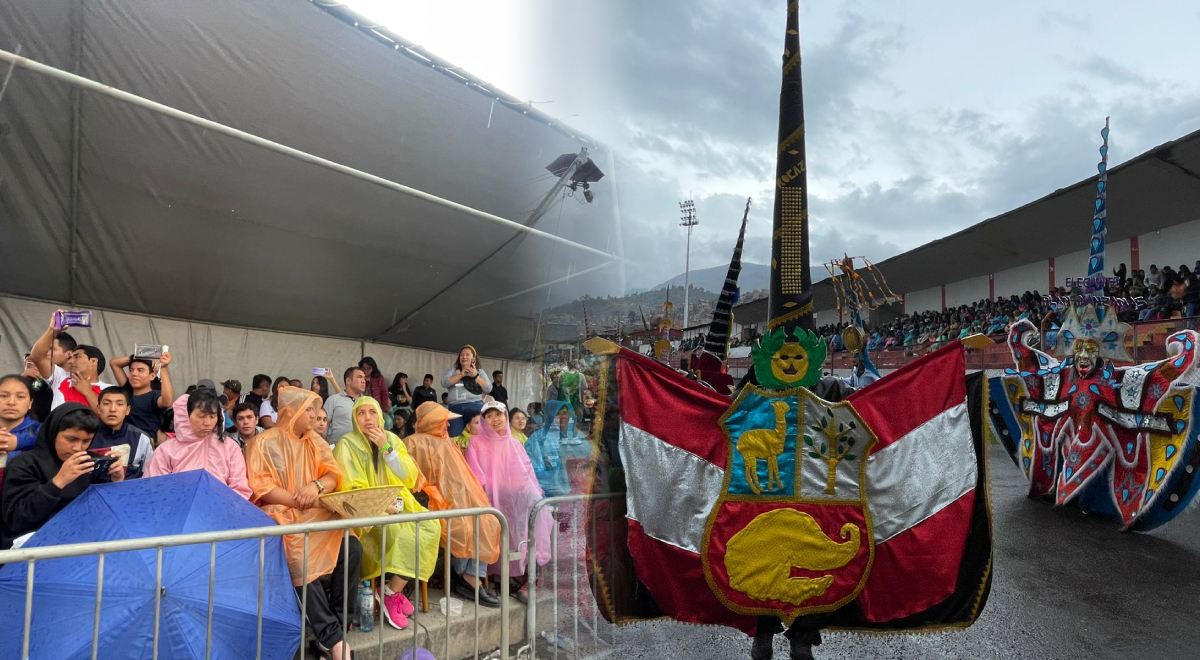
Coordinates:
x,y
205,382
234,385
494,405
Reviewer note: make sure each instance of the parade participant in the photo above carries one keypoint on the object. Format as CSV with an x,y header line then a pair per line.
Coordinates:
x,y
44,480
369,456
117,429
289,467
465,385
450,484
198,446
504,471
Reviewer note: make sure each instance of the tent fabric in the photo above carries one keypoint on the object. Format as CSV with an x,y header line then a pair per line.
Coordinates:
x,y
217,352
166,219
184,503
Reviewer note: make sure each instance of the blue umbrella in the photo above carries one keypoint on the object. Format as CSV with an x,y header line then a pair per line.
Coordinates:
x,y
65,589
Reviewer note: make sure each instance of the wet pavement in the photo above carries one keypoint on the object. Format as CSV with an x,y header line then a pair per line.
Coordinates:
x,y
1066,585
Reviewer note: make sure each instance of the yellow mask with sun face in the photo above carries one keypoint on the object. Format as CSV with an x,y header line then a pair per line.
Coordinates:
x,y
780,364
790,364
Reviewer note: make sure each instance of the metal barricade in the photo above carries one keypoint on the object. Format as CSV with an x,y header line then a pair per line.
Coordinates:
x,y
31,556
531,630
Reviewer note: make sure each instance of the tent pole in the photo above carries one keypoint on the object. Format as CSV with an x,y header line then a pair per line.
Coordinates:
x,y
250,138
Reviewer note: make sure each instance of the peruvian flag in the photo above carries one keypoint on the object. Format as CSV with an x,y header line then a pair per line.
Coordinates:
x,y
925,481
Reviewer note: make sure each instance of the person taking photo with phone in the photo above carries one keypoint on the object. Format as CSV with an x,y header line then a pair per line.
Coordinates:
x,y
465,384
43,481
74,375
146,403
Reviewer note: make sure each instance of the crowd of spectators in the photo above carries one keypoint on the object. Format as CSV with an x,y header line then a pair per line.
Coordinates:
x,y
282,446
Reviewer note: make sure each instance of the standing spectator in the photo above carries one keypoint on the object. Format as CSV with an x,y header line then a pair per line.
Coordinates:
x,y
424,393
18,428
245,423
74,375
116,429
1154,278
198,445
146,403
1191,295
466,386
290,467
260,389
401,397
377,387
43,396
267,411
339,405
499,392
43,481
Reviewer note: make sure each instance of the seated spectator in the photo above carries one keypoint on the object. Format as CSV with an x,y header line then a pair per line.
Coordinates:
x,y
544,449
424,393
517,421
470,428
116,429
398,391
289,467
446,402
370,456
465,385
321,423
44,480
377,387
232,389
198,445
260,390
536,419
147,403
499,392
245,423
402,421
450,484
267,411
339,405
18,428
504,471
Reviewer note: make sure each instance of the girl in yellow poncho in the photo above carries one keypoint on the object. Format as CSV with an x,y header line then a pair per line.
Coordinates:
x,y
370,456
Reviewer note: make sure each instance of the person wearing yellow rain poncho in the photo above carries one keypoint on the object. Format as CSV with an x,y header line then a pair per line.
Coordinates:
x,y
371,456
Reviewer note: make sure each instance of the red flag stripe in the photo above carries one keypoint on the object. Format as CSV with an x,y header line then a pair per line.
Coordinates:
x,y
918,568
675,577
678,411
912,395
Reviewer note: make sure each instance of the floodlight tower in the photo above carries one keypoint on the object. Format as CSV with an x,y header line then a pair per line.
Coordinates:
x,y
687,210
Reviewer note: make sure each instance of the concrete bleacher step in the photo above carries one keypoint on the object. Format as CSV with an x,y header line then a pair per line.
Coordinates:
x,y
431,632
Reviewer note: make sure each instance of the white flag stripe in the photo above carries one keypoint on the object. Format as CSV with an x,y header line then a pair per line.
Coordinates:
x,y
677,517
922,473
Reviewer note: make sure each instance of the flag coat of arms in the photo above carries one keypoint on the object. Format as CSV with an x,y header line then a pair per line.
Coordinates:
x,y
872,510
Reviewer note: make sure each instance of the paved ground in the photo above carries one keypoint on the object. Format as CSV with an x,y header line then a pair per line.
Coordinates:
x,y
1066,586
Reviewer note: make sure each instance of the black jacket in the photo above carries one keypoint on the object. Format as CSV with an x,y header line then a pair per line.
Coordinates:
x,y
28,496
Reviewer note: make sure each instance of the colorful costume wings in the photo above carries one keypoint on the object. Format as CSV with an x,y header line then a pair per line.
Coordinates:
x,y
1121,441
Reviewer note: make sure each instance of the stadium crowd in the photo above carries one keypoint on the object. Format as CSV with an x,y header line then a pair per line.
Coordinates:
x,y
64,427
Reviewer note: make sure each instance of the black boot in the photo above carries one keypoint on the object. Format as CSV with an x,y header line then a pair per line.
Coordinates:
x,y
761,650
801,651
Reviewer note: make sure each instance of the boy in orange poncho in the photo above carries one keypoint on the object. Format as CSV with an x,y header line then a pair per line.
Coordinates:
x,y
289,468
450,484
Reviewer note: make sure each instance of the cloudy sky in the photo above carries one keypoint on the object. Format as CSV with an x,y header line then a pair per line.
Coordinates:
x,y
919,122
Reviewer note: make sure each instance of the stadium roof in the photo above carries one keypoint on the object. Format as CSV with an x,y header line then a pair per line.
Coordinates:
x,y
112,206
1157,189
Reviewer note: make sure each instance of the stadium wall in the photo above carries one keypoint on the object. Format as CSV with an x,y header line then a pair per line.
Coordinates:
x,y
923,301
1170,246
966,292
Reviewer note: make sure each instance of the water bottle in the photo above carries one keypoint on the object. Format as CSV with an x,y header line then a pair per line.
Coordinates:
x,y
366,607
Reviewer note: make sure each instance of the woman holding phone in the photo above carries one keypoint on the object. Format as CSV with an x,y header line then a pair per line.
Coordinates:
x,y
465,384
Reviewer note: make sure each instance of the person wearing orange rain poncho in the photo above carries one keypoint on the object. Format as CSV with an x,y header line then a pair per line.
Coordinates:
x,y
289,467
450,484
371,456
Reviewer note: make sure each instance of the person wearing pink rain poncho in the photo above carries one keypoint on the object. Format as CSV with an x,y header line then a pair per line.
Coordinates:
x,y
503,469
197,445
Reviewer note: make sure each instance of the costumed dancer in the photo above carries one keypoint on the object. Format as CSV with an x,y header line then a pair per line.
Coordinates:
x,y
797,502
503,468
450,484
852,294
1120,441
370,456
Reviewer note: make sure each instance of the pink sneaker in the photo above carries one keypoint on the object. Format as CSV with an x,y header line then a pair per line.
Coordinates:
x,y
392,609
406,605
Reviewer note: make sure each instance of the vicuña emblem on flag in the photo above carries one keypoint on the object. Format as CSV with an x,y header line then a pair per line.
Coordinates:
x,y
791,531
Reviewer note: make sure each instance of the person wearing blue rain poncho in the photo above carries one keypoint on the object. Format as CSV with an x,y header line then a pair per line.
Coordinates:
x,y
552,446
